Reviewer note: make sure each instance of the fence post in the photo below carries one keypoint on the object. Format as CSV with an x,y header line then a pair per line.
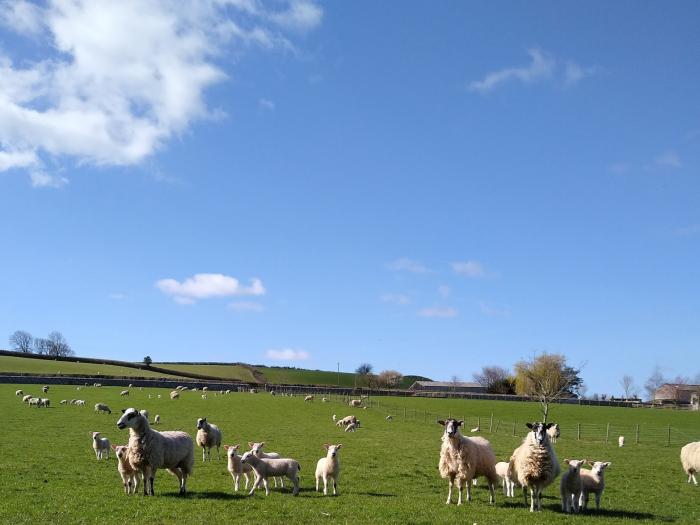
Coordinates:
x,y
607,433
404,413
636,435
513,428
668,441
578,431
425,416
498,422
491,423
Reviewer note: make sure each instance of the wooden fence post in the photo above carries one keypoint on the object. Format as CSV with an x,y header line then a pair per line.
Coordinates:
x,y
491,423
578,431
636,435
607,433
668,441
514,428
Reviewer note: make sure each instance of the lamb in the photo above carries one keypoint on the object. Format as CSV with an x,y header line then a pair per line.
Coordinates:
x,y
257,449
464,458
690,459
174,394
204,396
621,441
504,473
355,402
34,401
64,402
334,418
44,402
324,400
100,446
253,391
553,432
309,398
593,481
570,485
144,413
45,389
266,467
26,398
235,467
100,407
150,450
81,403
124,393
130,477
534,463
19,393
346,421
329,467
352,427
156,419
208,436
389,417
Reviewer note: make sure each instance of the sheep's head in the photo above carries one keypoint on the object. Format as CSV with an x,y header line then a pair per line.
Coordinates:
x,y
599,467
231,450
120,451
451,426
575,465
332,449
247,457
539,431
202,423
96,435
256,448
130,417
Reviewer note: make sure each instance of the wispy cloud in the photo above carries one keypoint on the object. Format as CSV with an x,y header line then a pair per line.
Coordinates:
x,y
493,311
395,298
266,103
542,66
117,296
408,265
287,354
41,179
438,311
472,269
206,285
668,159
246,306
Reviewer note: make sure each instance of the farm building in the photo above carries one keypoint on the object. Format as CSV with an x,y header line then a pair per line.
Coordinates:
x,y
447,386
678,394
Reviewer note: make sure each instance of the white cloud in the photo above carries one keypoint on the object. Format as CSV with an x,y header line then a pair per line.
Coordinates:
x,y
668,159
444,291
395,298
41,179
542,66
407,265
246,306
287,354
438,311
115,81
472,269
494,312
117,296
206,285
266,104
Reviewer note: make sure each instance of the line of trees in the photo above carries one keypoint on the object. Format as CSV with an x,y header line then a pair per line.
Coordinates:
x,y
54,344
385,378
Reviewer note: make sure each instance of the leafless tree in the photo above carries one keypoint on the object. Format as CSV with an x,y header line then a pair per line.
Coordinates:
x,y
57,345
628,386
41,346
21,341
656,379
496,380
455,380
389,378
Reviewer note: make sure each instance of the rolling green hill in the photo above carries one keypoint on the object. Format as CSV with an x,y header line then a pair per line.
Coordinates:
x,y
45,366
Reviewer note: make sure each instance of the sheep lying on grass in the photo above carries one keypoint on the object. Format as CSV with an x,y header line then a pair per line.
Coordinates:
x,y
593,481
690,459
329,467
309,398
208,436
570,485
129,476
352,427
150,450
534,463
173,395
100,446
355,402
464,458
235,467
346,421
267,467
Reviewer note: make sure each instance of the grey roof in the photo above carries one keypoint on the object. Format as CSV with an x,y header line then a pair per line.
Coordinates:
x,y
450,384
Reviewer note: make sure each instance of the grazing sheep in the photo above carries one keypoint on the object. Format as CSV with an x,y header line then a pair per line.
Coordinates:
x,y
26,398
63,402
464,458
124,393
593,481
100,446
130,477
34,401
81,403
570,485
534,463
272,393
355,402
690,459
173,395
99,407
266,467
19,393
324,400
204,396
621,441
253,391
227,392
150,450
309,398
144,413
235,467
208,436
329,467
45,389
205,389
389,417
553,432
44,402
506,481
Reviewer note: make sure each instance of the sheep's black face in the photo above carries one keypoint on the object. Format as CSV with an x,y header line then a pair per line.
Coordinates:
x,y
128,419
200,423
451,427
540,432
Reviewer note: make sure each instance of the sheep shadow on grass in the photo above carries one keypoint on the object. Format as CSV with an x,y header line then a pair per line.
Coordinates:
x,y
603,513
205,495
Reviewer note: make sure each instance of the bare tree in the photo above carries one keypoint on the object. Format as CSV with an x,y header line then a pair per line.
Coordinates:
x,y
496,380
455,380
364,371
628,386
656,379
57,345
547,378
21,341
389,378
41,346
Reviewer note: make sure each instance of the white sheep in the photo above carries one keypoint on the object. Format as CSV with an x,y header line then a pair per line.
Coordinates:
x,y
346,421
34,401
208,436
352,427
324,400
156,420
144,413
45,389
63,402
309,398
621,441
99,407
690,459
100,446
124,393
504,473
464,458
593,481
81,403
26,398
235,467
257,449
570,485
266,467
534,463
205,389
329,468
334,418
173,395
355,402
553,432
272,393
389,417
44,402
150,450
19,393
159,396
253,391
129,476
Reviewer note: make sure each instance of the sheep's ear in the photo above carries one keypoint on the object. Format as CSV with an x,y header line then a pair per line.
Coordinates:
x,y
123,410
262,444
567,461
460,422
250,444
236,447
339,445
529,425
441,422
114,447
226,447
607,464
326,446
549,425
204,420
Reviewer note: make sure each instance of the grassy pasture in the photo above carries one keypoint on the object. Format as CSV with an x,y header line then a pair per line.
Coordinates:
x,y
389,474
45,366
230,372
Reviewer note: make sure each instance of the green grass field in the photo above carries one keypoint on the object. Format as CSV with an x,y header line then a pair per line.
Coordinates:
x,y
45,366
389,468
230,372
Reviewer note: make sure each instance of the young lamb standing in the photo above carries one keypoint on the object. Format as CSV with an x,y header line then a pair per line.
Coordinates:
x,y
235,467
150,450
257,449
208,436
266,467
506,481
463,459
534,463
130,477
100,446
553,432
593,481
570,485
329,467
690,459
621,441
156,420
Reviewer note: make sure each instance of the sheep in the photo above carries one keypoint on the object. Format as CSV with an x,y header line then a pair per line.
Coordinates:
x,y
227,392
389,417
63,402
464,458
144,413
621,441
266,467
570,485
99,407
150,450
257,449
45,389
329,467
534,463
150,396
235,467
309,398
690,459
19,393
346,421
593,481
506,481
34,401
208,436
159,396
100,445
44,402
174,394
26,398
156,419
130,477
81,403
272,393
204,396
334,418
352,427
355,402
253,391
553,432
124,393
324,400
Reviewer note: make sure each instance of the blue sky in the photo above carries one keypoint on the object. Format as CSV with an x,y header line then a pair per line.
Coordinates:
x,y
429,187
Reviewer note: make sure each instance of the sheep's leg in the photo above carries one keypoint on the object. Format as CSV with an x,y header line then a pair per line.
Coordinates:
x,y
135,478
218,452
597,500
282,481
236,477
459,490
539,498
318,478
184,483
126,483
335,485
694,480
574,502
449,490
532,499
295,482
468,484
204,454
325,485
492,491
145,475
267,487
245,474
564,506
583,501
256,484
274,480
